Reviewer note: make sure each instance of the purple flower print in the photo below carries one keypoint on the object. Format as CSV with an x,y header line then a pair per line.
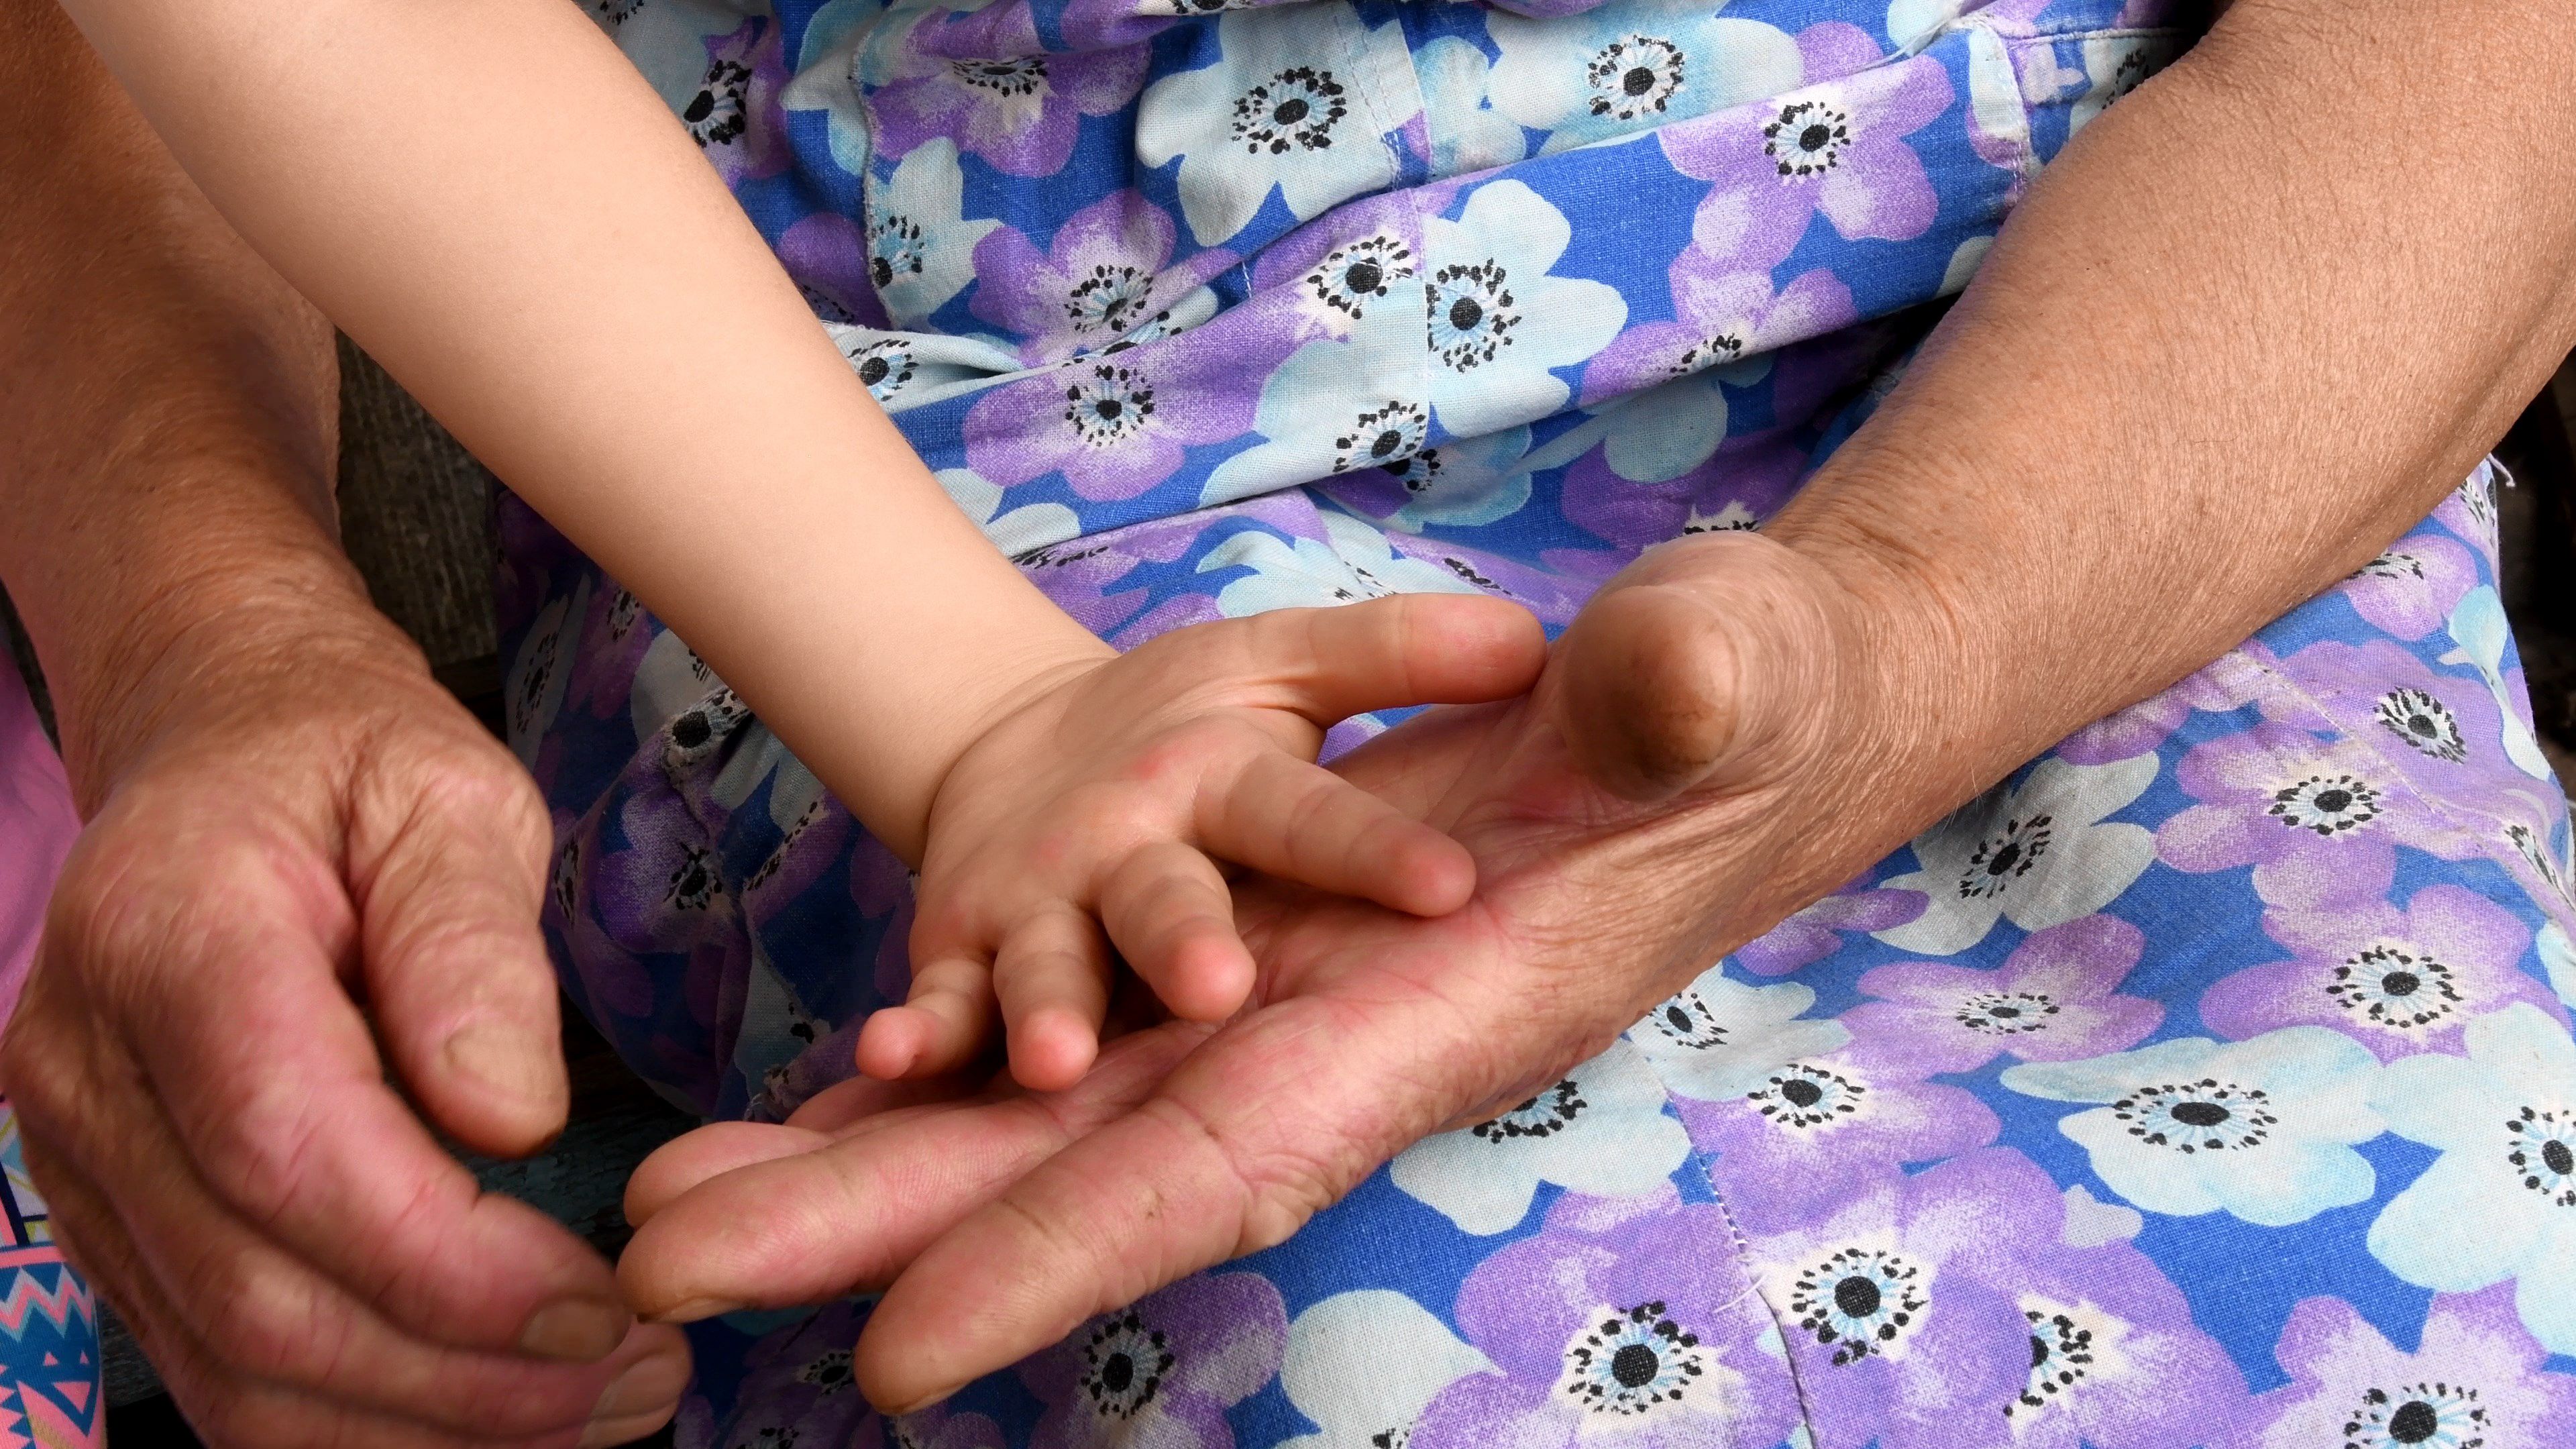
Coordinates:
x,y
2475,1379
799,1389
2230,681
2398,982
2411,588
1622,1324
1816,932
2384,693
937,1427
1814,1132
827,254
2470,511
1009,102
1164,1370
2317,819
1079,576
1101,277
1115,423
1838,148
734,113
1744,481
1951,1310
2051,1001
1720,317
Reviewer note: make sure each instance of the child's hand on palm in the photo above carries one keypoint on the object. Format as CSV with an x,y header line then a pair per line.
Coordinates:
x,y
1093,818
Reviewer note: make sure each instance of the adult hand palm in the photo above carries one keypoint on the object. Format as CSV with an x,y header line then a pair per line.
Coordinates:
x,y
1001,1221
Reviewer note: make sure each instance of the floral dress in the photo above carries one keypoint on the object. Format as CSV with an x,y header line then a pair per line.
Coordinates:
x,y
2207,1082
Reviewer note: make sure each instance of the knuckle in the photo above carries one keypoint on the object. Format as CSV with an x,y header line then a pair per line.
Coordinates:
x,y
262,1323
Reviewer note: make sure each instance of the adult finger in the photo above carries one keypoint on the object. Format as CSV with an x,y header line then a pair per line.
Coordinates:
x,y
237,1410
1172,917
808,1228
1331,663
1051,979
224,987
1207,1169
710,1151
447,866
840,1111
1285,817
264,1315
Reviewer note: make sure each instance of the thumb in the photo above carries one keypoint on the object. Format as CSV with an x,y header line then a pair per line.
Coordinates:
x,y
1332,663
447,857
1701,664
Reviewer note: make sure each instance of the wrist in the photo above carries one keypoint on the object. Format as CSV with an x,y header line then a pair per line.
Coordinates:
x,y
1045,670
207,645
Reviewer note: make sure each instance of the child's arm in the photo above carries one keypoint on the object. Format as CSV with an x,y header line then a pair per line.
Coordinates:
x,y
488,198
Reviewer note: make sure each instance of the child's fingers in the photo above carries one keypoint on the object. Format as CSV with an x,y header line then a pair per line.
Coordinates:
x,y
1172,916
1406,650
1052,979
943,1026
1289,818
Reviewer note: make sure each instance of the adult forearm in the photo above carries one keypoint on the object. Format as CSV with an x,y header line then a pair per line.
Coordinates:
x,y
166,413
2247,329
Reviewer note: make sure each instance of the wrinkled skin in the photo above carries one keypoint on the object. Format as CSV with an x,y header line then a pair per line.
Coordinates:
x,y
1702,683
283,832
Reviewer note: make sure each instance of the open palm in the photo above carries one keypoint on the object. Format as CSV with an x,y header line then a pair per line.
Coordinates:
x,y
997,1222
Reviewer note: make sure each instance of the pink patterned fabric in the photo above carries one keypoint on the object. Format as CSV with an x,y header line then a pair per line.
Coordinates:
x,y
37,824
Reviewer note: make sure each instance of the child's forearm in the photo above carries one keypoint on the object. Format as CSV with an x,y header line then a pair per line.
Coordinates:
x,y
488,198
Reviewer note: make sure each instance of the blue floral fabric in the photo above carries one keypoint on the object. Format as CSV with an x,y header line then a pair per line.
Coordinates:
x,y
2207,1082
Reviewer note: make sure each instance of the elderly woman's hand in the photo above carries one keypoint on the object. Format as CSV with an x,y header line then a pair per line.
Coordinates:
x,y
1719,684
2144,432
293,819
287,815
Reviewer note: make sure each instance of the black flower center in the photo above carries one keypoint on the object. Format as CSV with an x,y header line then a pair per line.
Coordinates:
x,y
1387,442
873,371
701,106
2558,1157
1117,1373
1814,137
1680,1019
1637,81
1856,1296
1801,1092
2334,802
2199,1114
1290,111
2414,1422
1634,1365
881,269
1109,407
1364,277
691,730
2005,859
1465,313
2422,724
2400,983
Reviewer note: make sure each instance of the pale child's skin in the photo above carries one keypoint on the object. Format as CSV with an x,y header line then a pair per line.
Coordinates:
x,y
2248,328
490,200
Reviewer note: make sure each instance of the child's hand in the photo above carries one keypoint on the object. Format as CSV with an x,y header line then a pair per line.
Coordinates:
x,y
1092,818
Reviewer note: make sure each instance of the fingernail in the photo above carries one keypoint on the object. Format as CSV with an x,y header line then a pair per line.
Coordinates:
x,y
576,1330
652,1385
691,1310
499,1058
